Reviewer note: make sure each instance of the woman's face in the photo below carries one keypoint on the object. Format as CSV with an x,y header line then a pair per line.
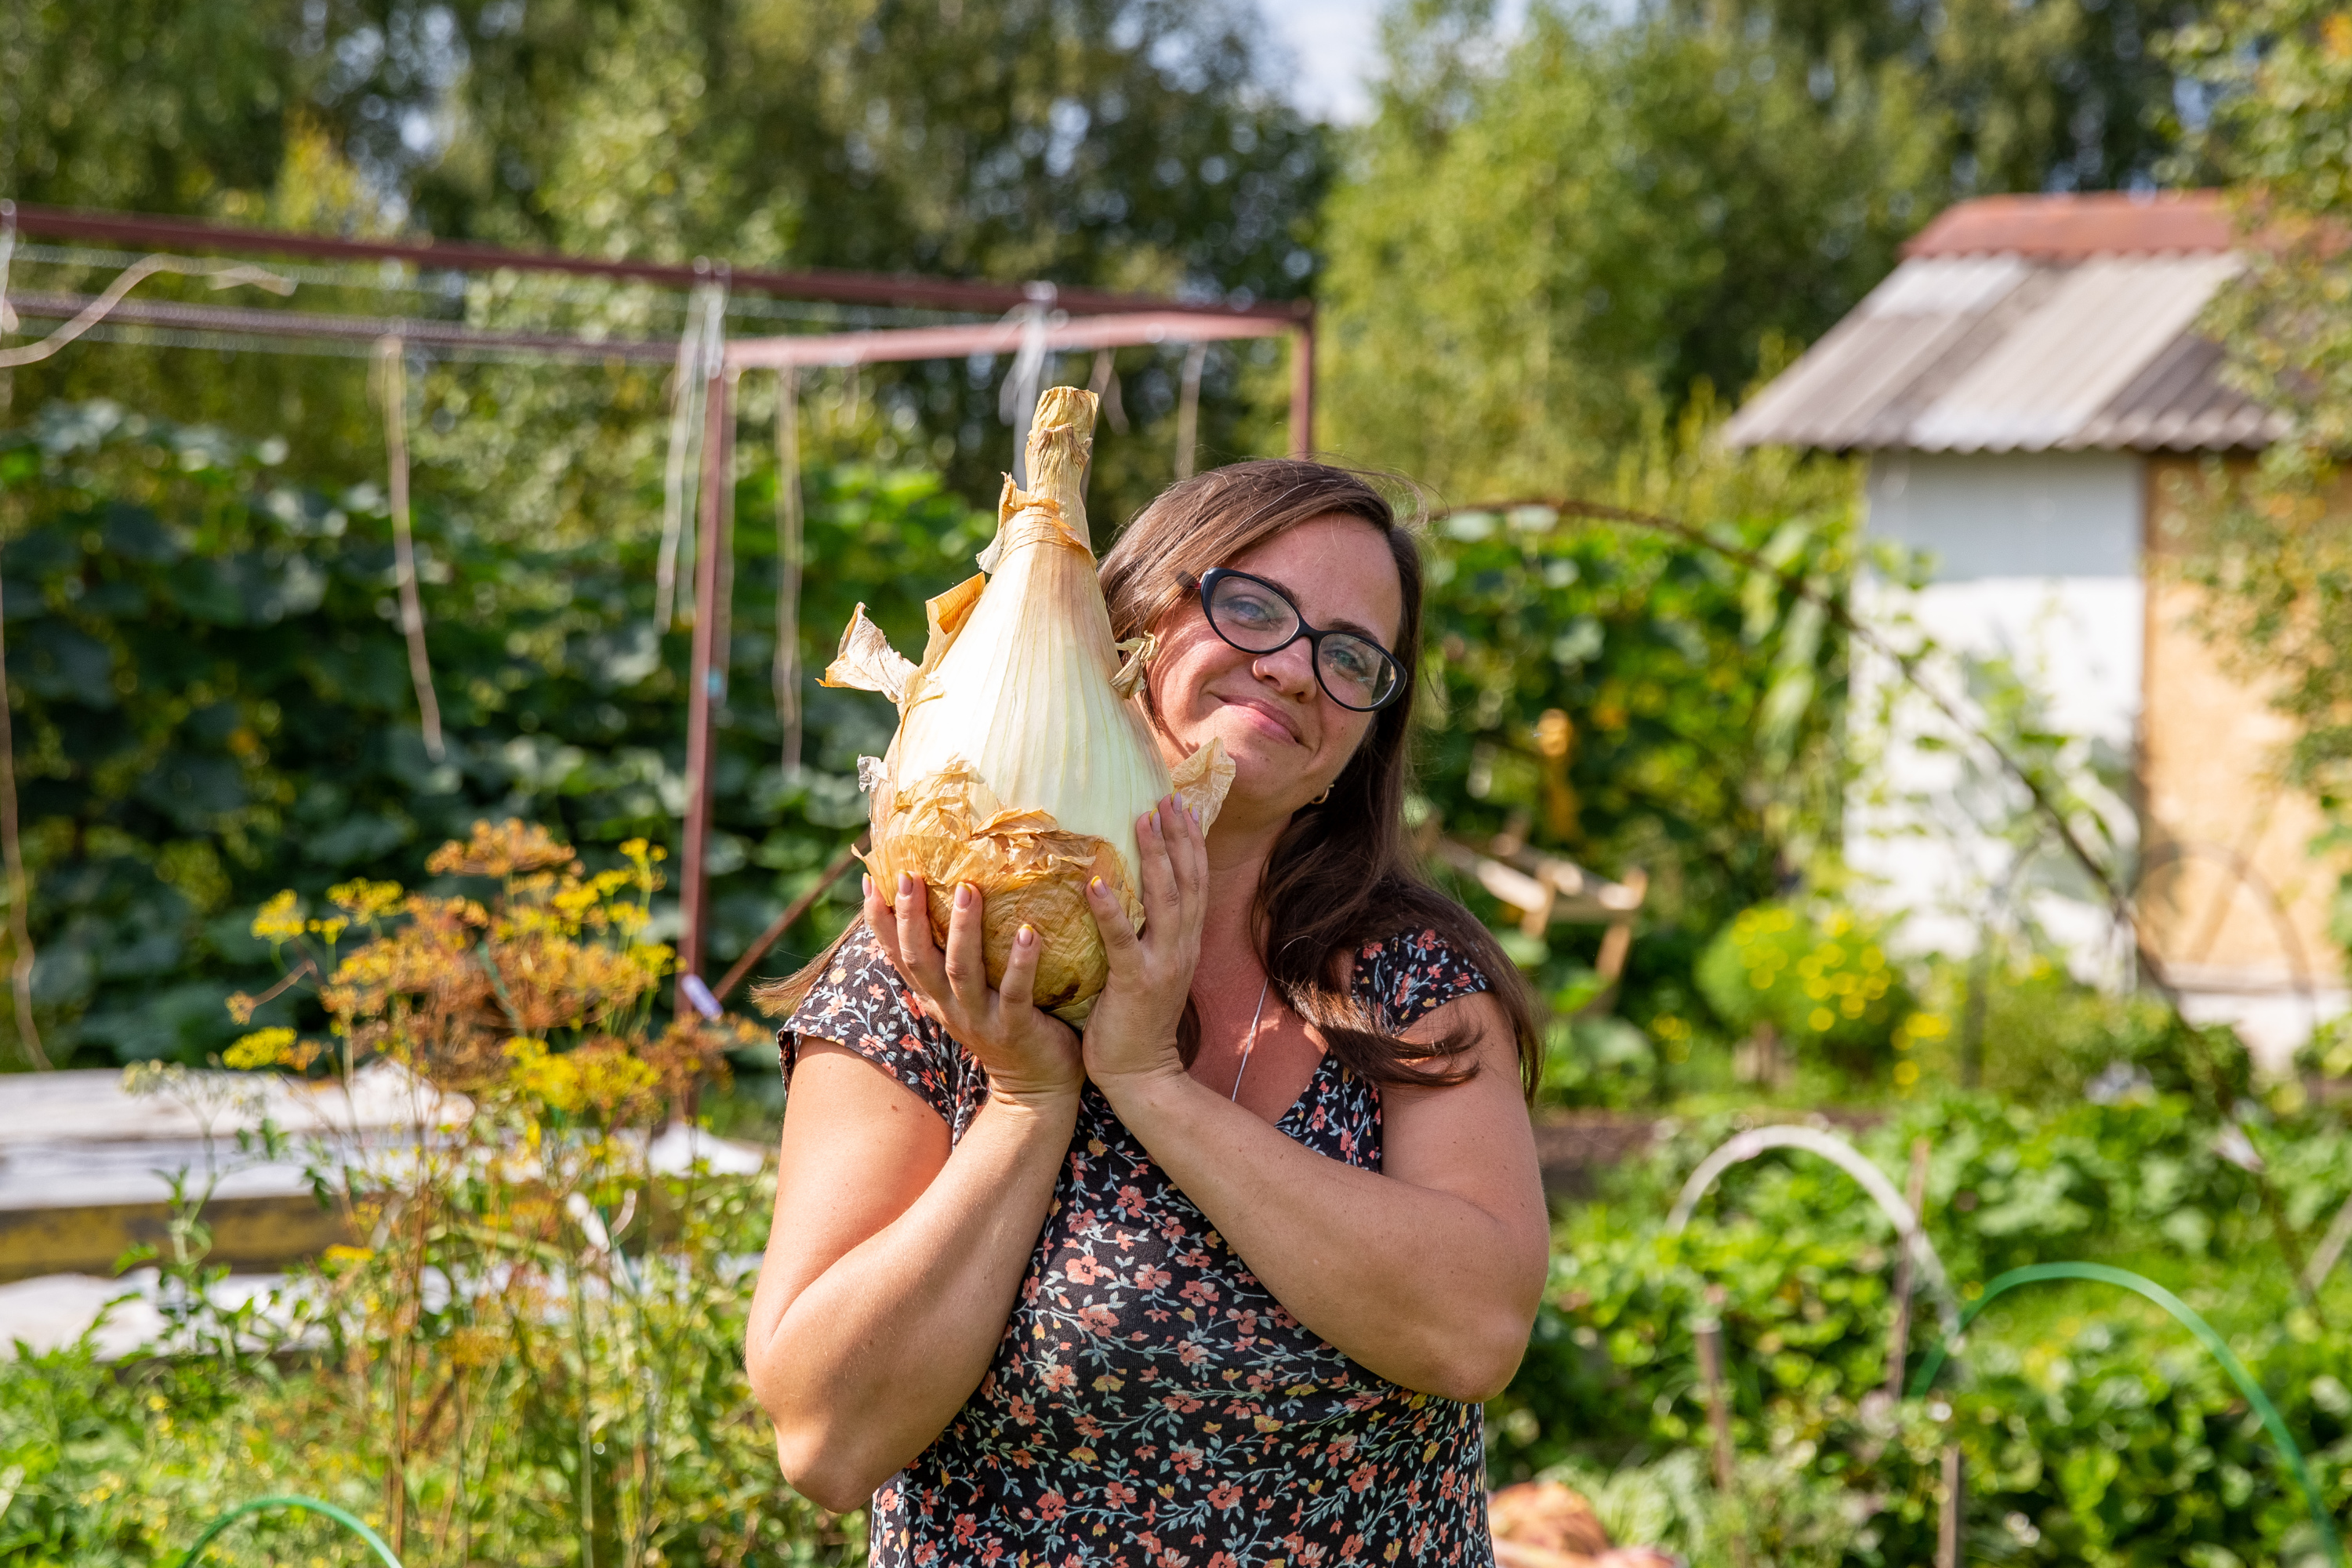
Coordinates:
x,y
1288,737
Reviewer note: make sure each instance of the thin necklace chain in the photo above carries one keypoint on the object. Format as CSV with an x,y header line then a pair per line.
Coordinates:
x,y
1250,1042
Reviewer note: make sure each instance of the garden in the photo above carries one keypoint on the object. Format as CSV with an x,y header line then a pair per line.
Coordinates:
x,y
1863,1252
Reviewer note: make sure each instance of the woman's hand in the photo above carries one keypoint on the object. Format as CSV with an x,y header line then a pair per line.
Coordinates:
x,y
1131,1032
1030,1057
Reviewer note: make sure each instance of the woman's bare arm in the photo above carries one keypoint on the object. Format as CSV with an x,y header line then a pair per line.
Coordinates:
x,y
894,1258
891,1268
1427,1271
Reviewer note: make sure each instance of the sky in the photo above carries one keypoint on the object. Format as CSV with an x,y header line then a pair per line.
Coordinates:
x,y
1337,45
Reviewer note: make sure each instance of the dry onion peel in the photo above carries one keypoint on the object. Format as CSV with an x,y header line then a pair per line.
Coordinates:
x,y
1022,761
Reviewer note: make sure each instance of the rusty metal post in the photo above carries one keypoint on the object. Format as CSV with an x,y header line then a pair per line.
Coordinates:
x,y
1302,388
706,679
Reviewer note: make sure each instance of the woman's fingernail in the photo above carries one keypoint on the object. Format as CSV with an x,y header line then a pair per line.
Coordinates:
x,y
870,885
906,886
963,895
1024,936
1095,886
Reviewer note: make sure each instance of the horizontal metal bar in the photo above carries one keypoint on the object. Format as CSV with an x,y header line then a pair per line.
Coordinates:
x,y
891,344
826,284
360,328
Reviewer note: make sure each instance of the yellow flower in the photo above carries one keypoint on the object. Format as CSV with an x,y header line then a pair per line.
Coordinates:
x,y
1906,1074
280,920
261,1049
330,927
365,900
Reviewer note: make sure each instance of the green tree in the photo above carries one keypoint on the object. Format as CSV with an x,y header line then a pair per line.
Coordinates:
x,y
1531,251
2064,95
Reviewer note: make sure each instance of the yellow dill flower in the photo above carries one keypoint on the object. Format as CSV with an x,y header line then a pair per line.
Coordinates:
x,y
280,920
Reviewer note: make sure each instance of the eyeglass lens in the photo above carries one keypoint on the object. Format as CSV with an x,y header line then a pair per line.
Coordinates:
x,y
1256,618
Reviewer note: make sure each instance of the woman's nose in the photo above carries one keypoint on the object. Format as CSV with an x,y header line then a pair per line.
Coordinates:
x,y
1291,670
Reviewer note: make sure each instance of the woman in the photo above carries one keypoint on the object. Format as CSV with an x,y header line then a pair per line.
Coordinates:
x,y
1223,1281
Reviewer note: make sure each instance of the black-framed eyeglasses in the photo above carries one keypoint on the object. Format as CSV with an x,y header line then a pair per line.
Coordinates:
x,y
1255,616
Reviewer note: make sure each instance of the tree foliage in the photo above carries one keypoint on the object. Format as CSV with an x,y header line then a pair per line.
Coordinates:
x,y
2065,95
1530,252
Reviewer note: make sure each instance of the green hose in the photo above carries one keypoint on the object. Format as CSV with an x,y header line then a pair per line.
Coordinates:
x,y
2186,1315
349,1520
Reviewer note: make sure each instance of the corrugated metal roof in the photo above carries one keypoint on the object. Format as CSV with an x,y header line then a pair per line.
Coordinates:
x,y
2030,349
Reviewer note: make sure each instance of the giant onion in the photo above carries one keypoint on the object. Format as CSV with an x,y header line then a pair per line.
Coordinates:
x,y
1022,759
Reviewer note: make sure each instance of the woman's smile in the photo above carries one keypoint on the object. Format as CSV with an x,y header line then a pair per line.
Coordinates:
x,y
1264,716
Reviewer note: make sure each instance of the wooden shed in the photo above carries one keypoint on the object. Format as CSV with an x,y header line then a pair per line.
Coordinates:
x,y
2032,393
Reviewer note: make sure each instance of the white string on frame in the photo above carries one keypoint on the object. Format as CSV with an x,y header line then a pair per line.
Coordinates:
x,y
391,384
786,673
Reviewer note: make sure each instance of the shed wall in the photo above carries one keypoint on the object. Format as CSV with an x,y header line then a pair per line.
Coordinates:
x,y
2037,573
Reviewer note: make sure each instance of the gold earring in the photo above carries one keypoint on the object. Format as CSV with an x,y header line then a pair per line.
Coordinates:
x,y
1319,799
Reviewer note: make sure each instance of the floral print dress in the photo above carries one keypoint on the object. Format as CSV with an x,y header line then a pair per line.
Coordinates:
x,y
1150,1402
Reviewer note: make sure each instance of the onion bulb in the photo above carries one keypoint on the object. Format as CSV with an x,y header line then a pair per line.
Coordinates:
x,y
1022,756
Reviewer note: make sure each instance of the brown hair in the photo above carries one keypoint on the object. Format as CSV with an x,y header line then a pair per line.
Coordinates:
x,y
1342,873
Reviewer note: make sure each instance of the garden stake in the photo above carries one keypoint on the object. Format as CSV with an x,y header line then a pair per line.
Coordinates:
x,y
1948,1517
2188,1318
307,1505
1708,1331
1898,1337
706,674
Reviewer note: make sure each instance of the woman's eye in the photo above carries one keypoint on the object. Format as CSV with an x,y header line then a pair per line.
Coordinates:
x,y
1352,662
1249,607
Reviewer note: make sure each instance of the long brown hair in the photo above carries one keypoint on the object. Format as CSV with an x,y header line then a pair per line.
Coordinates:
x,y
1342,873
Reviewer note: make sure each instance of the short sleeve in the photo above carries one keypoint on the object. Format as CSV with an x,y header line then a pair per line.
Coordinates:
x,y
860,1003
1409,975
